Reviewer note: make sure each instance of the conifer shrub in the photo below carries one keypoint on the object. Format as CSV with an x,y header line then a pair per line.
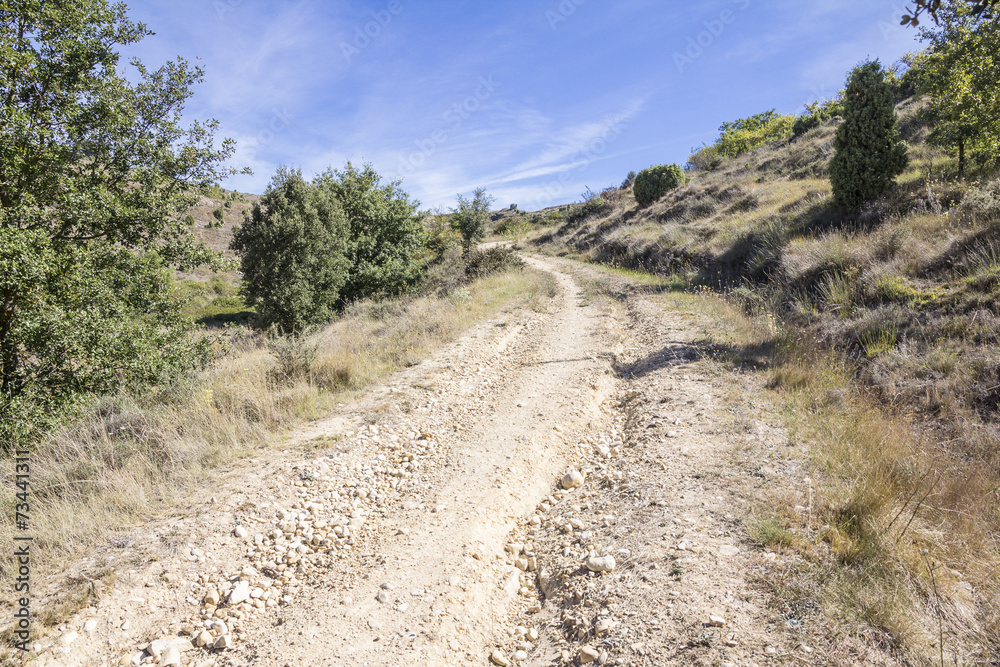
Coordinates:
x,y
869,151
652,183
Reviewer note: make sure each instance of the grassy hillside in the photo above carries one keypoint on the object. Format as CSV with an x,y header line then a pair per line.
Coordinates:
x,y
881,329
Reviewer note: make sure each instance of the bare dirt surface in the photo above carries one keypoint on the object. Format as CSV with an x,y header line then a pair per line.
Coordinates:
x,y
426,523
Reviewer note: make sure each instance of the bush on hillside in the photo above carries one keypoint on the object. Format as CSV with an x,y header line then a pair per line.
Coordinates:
x,y
817,114
706,158
652,183
870,153
293,250
472,216
746,134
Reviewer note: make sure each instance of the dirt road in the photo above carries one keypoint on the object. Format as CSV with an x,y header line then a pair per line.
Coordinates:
x,y
425,523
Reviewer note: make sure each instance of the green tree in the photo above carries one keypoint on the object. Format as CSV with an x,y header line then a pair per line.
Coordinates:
x,y
652,183
472,217
385,232
96,174
293,249
985,8
961,74
869,153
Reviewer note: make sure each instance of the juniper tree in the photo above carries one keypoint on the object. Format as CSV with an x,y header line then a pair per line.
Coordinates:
x,y
869,153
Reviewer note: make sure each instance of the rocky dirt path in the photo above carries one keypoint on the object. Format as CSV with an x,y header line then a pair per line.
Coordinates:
x,y
432,521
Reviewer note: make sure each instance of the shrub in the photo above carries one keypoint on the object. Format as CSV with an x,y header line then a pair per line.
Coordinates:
x,y
481,263
983,202
471,217
189,220
706,158
652,183
219,214
629,180
817,114
746,134
293,253
870,153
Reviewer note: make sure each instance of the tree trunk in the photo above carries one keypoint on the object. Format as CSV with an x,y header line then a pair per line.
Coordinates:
x,y
961,158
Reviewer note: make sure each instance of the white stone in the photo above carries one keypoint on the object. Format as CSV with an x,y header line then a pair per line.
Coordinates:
x,y
89,626
588,654
572,479
499,658
601,563
240,593
171,656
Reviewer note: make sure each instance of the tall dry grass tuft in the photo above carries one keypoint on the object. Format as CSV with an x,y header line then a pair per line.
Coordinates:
x,y
128,456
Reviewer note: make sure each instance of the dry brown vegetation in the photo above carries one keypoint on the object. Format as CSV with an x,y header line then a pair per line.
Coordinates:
x,y
881,334
129,456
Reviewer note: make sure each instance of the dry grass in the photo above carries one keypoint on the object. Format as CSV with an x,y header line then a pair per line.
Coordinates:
x,y
128,456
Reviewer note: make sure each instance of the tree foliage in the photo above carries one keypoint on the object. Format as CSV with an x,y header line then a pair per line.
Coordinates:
x,y
293,249
652,183
385,233
869,152
985,8
96,174
746,134
960,71
472,217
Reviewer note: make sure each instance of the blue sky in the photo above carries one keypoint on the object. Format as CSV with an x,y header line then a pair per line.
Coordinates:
x,y
535,100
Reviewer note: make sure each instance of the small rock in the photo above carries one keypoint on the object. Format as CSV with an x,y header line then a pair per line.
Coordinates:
x,y
212,598
224,641
240,593
171,656
603,626
588,654
601,564
204,638
572,480
240,532
499,658
716,621
728,550
382,597
520,656
68,638
89,626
